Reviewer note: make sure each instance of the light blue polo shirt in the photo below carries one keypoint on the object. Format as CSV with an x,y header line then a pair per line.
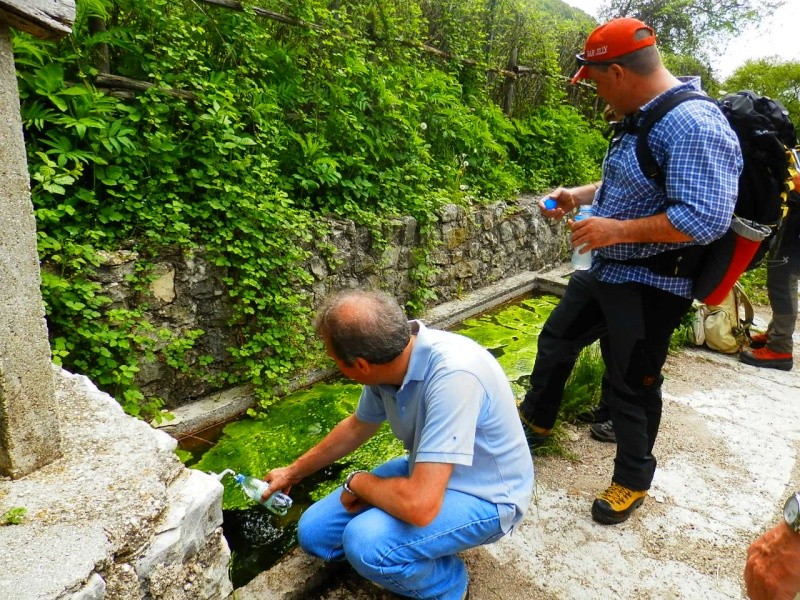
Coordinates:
x,y
455,406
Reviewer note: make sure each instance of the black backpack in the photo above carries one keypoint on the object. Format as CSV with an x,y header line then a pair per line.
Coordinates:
x,y
765,134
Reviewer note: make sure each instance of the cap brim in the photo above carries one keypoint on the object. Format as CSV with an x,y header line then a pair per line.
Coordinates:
x,y
581,74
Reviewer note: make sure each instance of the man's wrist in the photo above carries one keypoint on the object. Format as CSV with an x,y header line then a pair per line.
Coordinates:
x,y
349,479
584,194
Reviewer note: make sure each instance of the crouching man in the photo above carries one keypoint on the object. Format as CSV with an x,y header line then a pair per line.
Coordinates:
x,y
468,475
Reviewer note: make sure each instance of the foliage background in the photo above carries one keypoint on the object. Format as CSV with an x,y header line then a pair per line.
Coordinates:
x,y
347,116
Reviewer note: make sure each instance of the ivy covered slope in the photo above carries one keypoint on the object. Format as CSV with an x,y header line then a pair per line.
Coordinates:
x,y
255,128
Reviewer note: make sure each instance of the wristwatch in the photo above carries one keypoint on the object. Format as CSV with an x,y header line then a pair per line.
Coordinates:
x,y
791,512
348,479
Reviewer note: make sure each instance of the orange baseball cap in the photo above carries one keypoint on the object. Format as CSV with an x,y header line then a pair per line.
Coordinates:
x,y
612,40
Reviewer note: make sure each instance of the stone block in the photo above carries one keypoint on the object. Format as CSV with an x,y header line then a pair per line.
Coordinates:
x,y
29,432
94,589
194,511
163,287
450,213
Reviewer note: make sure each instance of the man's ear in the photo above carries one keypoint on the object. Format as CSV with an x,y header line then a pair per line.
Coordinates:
x,y
361,365
617,71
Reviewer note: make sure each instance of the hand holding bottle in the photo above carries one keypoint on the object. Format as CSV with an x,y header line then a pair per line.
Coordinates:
x,y
254,488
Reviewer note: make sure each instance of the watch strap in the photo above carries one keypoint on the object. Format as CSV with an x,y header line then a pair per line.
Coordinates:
x,y
348,479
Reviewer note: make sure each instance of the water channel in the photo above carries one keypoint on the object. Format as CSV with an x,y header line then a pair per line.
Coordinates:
x,y
254,445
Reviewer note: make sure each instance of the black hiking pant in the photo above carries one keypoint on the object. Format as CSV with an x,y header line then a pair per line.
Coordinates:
x,y
634,323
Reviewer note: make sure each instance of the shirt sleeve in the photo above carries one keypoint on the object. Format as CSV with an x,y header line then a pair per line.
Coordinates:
x,y
453,404
702,180
370,408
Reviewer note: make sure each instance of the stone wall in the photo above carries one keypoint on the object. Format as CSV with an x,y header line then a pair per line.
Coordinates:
x,y
472,249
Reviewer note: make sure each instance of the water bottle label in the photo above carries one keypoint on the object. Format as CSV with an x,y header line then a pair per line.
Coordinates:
x,y
581,262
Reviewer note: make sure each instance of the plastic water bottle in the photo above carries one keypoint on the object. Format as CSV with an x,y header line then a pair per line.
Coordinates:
x,y
278,503
582,262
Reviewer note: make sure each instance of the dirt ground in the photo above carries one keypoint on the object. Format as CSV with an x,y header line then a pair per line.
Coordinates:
x,y
727,461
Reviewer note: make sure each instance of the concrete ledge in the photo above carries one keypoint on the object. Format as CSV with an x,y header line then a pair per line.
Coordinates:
x,y
479,301
297,577
208,412
118,516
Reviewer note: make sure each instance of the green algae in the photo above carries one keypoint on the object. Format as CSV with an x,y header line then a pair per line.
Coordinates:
x,y
510,332
290,427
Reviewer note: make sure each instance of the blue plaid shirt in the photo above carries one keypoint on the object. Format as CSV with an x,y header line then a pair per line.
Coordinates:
x,y
700,156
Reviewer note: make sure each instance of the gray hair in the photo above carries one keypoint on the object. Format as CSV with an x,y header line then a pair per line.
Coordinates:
x,y
363,324
642,62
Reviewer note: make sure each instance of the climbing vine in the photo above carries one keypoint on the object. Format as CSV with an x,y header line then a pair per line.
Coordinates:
x,y
276,125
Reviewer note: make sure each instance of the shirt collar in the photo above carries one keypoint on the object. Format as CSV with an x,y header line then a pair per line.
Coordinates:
x,y
420,352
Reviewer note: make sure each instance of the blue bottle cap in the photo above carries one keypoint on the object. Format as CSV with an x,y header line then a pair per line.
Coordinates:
x,y
550,203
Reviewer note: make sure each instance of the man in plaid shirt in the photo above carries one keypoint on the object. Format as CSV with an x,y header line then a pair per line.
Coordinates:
x,y
631,309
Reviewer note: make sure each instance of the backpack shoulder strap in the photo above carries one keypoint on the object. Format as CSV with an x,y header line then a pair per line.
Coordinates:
x,y
644,155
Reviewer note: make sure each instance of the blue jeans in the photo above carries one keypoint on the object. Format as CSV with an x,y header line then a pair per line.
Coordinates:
x,y
418,562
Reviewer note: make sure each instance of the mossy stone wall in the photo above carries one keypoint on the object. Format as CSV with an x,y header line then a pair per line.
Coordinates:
x,y
467,249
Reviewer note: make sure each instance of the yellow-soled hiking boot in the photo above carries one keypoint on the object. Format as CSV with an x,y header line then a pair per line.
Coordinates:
x,y
535,439
616,504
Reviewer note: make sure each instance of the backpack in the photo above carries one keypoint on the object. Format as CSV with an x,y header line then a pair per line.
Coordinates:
x,y
765,133
724,327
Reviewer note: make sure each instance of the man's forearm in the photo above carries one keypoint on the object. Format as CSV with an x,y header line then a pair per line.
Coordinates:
x,y
348,435
584,194
415,500
653,229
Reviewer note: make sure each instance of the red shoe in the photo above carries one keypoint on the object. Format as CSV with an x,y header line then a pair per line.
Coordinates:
x,y
764,357
758,340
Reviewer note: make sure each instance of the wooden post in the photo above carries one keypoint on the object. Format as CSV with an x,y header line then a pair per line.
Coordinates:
x,y
97,25
51,19
508,86
29,433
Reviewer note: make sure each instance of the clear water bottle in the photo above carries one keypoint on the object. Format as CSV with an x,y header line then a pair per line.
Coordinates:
x,y
278,503
582,262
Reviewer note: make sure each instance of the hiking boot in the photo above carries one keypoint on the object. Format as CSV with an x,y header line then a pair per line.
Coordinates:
x,y
764,357
758,340
603,432
535,440
616,504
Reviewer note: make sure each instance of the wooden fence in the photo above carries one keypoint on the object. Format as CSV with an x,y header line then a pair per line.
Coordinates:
x,y
125,87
